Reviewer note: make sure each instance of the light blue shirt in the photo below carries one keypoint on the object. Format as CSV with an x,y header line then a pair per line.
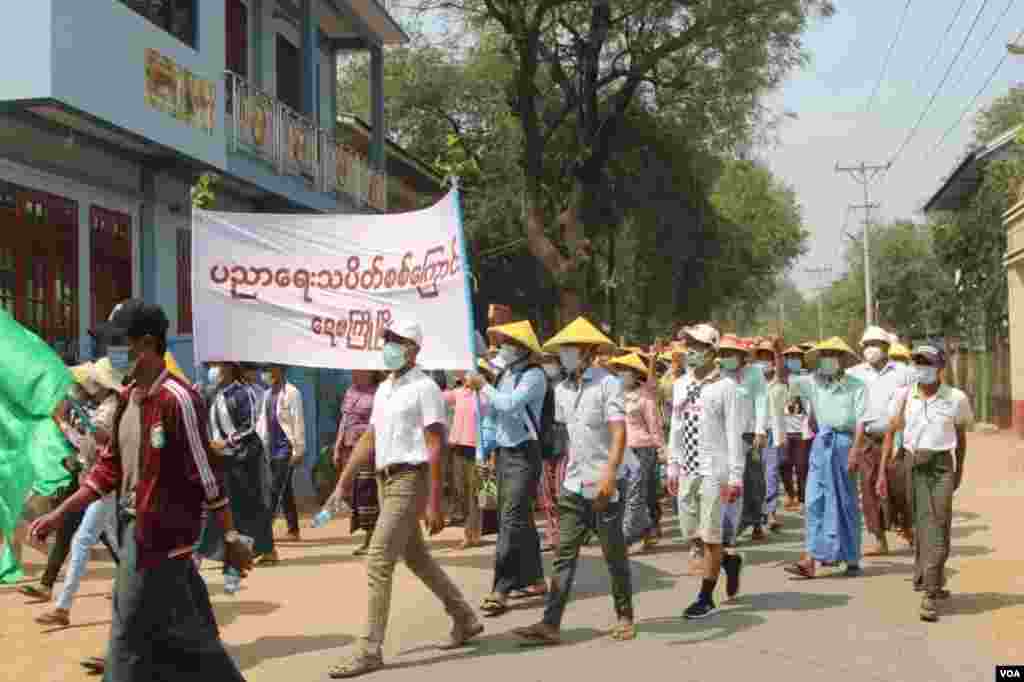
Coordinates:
x,y
517,390
587,408
752,391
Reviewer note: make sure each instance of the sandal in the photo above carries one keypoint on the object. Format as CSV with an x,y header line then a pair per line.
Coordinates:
x,y
624,632
362,551
268,560
56,618
800,571
359,664
537,635
492,607
34,592
535,591
95,665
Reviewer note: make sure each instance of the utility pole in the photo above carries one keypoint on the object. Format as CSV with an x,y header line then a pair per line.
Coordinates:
x,y
825,270
865,175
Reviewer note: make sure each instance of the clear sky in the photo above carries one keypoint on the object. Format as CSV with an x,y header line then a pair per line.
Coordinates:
x,y
830,96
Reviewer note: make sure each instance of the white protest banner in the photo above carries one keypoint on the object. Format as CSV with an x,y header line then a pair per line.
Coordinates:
x,y
318,290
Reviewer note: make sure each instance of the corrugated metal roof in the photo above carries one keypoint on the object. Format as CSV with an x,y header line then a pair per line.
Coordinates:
x,y
965,179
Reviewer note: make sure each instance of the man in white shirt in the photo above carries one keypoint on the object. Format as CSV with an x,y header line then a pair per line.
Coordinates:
x,y
407,434
934,418
718,480
883,379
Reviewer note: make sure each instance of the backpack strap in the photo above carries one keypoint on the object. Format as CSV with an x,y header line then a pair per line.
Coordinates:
x,y
534,426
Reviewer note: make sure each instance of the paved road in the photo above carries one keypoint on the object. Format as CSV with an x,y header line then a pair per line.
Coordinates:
x,y
293,621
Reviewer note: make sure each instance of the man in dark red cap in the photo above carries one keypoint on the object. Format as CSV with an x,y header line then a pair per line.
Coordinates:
x,y
160,466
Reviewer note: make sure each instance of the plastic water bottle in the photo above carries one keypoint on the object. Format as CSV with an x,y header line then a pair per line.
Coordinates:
x,y
331,509
232,581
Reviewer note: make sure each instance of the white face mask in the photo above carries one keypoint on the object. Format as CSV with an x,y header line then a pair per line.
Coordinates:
x,y
926,374
874,354
394,356
570,358
627,378
553,371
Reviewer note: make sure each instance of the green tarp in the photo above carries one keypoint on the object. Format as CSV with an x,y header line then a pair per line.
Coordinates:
x,y
33,381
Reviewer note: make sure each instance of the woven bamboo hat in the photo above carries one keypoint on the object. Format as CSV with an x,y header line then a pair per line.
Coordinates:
x,y
899,352
835,343
582,332
632,361
520,332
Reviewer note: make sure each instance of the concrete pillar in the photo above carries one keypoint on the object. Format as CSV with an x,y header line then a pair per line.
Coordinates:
x,y
1014,222
147,235
310,52
256,41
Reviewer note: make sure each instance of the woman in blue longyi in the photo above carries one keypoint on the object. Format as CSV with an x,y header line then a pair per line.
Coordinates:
x,y
832,510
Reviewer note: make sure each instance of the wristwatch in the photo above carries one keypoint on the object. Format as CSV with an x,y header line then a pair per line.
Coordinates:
x,y
232,537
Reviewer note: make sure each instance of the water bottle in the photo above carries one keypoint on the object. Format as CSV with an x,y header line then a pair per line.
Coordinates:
x,y
331,509
232,581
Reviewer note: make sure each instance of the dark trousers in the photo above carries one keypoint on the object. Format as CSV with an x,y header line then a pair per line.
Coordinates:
x,y
932,482
576,520
282,495
517,562
163,626
795,466
649,462
754,488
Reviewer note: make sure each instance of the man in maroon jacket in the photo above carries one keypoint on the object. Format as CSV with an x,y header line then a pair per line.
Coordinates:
x,y
160,465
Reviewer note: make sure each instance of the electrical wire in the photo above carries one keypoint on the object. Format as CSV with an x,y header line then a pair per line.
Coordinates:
x,y
888,57
931,101
938,46
977,95
984,43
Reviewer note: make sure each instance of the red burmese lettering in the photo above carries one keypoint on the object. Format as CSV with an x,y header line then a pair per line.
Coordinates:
x,y
215,278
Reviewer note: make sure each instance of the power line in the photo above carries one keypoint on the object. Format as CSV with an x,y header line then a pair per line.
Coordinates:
x,y
931,101
888,57
984,43
977,95
938,46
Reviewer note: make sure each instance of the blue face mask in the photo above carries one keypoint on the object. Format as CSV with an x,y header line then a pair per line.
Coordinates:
x,y
121,359
794,364
828,366
213,374
394,356
729,364
926,374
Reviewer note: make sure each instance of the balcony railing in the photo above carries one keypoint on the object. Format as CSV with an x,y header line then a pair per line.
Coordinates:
x,y
259,125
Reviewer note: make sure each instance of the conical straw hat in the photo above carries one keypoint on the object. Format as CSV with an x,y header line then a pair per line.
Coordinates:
x,y
632,361
835,343
582,332
522,332
899,352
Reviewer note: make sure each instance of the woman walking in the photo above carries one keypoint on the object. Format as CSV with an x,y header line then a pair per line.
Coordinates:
x,y
463,440
356,407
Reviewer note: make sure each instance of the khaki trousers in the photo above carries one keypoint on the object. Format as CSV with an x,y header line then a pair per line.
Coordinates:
x,y
932,484
399,535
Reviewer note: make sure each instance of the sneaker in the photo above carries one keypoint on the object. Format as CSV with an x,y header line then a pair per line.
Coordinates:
x,y
699,609
733,564
929,610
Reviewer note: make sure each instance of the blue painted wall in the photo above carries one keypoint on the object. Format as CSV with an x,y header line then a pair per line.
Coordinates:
x,y
99,67
26,42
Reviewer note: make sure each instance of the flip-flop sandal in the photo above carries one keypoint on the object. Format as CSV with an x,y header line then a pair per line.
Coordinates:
x,y
528,593
532,637
362,551
624,633
356,666
492,608
95,665
800,571
35,593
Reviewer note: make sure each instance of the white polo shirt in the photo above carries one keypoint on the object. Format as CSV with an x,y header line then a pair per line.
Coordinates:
x,y
931,422
402,409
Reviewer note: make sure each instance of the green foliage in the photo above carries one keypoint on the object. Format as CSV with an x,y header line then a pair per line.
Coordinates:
x,y
1005,113
202,193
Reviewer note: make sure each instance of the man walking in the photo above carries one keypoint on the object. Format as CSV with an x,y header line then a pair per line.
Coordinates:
x,y
591,404
407,436
163,625
286,434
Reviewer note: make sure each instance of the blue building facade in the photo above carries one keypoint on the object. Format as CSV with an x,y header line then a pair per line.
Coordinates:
x,y
111,109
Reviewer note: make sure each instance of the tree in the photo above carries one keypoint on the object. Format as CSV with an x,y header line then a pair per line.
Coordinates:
x,y
581,68
1005,113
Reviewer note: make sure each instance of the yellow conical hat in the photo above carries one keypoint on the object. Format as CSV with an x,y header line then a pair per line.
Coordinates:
x,y
172,366
633,361
579,331
899,352
835,343
521,332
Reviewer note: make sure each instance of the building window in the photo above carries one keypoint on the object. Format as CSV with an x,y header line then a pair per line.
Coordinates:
x,y
236,43
177,17
184,282
111,260
39,264
289,74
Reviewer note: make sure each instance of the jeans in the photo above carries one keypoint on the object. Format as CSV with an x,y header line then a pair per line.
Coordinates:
x,y
576,519
399,535
99,517
517,562
282,494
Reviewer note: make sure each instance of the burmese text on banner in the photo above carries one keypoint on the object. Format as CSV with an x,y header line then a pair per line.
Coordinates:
x,y
318,290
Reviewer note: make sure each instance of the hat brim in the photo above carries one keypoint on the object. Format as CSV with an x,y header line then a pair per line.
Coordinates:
x,y
109,330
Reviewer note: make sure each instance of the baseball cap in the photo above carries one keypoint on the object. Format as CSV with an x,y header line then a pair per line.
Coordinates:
x,y
933,354
134,318
703,333
406,329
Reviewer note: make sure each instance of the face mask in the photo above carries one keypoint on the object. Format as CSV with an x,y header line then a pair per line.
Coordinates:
x,y
828,366
729,364
765,367
553,371
570,358
696,358
926,374
628,380
794,364
873,354
394,356
509,353
121,359
214,376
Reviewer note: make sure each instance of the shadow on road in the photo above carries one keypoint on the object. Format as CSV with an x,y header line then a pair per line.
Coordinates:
x,y
228,612
268,648
982,602
743,613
